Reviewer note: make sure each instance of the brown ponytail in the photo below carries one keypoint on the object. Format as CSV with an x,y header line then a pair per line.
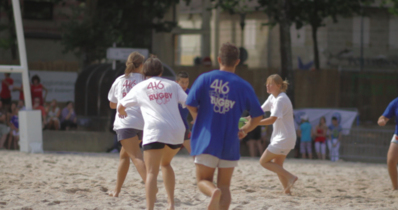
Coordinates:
x,y
134,61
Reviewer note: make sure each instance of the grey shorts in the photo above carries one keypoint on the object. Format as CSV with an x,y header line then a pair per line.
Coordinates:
x,y
127,133
394,139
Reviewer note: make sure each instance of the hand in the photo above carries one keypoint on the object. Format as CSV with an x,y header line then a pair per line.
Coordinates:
x,y
241,134
122,114
192,122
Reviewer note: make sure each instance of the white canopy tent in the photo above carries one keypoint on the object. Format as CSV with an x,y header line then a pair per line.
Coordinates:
x,y
30,127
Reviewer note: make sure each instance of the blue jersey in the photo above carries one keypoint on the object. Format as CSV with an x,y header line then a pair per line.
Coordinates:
x,y
14,120
221,97
335,131
392,111
305,132
184,113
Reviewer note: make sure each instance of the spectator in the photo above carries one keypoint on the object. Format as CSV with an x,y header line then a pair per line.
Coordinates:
x,y
305,136
38,106
53,114
37,89
6,86
320,133
14,125
3,125
21,105
68,117
334,140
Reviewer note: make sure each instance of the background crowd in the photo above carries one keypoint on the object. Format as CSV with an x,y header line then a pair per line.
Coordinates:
x,y
53,117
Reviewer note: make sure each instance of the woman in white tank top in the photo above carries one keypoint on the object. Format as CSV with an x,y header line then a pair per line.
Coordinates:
x,y
283,136
128,129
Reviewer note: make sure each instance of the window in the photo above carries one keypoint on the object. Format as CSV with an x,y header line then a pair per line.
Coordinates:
x,y
38,10
188,47
250,34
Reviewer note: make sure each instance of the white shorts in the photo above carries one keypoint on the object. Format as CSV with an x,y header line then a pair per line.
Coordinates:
x,y
394,139
277,150
214,162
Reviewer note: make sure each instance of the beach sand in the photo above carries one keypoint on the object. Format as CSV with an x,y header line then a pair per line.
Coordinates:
x,y
80,181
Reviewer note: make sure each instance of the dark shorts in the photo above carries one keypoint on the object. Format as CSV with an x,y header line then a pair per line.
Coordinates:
x,y
187,135
127,133
159,145
253,135
6,101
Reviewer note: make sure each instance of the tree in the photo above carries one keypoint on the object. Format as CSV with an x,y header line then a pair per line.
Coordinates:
x,y
103,22
314,12
281,12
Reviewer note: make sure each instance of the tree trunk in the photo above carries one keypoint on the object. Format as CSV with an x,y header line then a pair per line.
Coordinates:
x,y
316,52
286,46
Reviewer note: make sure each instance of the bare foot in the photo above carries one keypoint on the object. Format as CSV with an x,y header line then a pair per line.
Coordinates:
x,y
171,207
113,193
215,200
290,185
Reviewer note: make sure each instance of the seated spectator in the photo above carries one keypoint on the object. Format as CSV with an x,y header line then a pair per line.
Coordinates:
x,y
37,106
3,125
68,117
21,105
53,114
14,131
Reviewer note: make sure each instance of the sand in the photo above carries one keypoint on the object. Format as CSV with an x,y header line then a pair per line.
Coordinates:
x,y
80,181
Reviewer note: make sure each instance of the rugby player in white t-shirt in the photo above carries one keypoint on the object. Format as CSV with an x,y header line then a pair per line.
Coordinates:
x,y
128,129
283,136
164,129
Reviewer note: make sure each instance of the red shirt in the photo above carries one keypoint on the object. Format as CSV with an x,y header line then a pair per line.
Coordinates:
x,y
43,111
37,92
21,96
5,91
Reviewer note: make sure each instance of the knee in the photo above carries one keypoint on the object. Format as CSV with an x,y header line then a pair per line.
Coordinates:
x,y
392,161
263,163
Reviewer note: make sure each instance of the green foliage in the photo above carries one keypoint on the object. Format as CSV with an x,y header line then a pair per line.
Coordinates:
x,y
128,23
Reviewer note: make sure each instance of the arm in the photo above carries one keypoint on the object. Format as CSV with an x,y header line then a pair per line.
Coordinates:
x,y
299,133
45,89
122,111
58,113
193,111
268,121
382,121
16,88
249,126
112,105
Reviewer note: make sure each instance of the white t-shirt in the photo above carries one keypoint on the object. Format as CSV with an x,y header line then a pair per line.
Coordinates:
x,y
118,91
284,132
158,99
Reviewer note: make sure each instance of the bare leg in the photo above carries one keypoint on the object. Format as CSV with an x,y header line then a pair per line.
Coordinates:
x,y
223,183
265,161
280,160
124,165
392,160
310,156
152,162
2,140
260,147
56,125
187,145
204,177
303,156
132,147
252,147
16,139
168,174
9,140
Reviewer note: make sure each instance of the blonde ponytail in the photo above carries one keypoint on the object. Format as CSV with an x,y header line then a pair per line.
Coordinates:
x,y
278,81
134,61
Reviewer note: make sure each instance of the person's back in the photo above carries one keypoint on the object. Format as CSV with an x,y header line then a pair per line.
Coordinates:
x,y
122,85
222,97
158,100
306,129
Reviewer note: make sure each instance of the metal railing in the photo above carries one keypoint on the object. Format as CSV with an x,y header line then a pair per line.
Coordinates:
x,y
369,145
